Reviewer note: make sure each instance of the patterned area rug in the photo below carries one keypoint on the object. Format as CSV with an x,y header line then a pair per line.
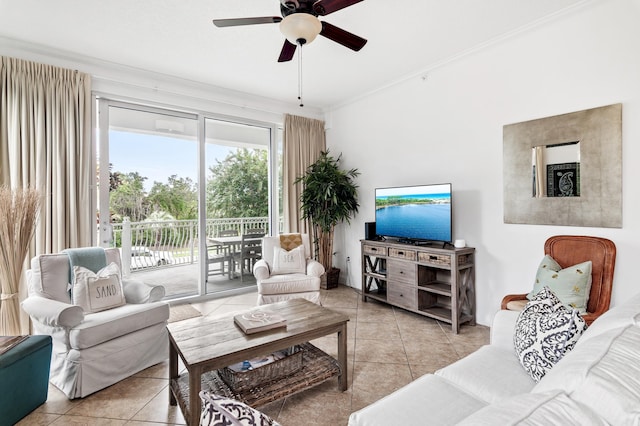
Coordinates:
x,y
182,312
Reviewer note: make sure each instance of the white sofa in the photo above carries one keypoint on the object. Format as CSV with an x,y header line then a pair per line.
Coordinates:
x,y
597,383
94,350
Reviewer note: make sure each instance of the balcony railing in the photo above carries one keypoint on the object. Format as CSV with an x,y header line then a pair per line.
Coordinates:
x,y
172,242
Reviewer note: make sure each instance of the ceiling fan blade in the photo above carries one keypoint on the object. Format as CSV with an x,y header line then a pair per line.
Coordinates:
x,y
288,49
325,7
234,22
342,37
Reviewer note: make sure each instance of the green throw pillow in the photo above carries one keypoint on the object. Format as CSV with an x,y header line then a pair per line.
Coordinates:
x,y
572,285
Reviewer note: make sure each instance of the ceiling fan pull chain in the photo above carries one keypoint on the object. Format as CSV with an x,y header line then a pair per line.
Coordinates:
x,y
300,75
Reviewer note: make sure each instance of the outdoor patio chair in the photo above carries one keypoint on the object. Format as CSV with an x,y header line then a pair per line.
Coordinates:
x,y
97,341
219,254
249,252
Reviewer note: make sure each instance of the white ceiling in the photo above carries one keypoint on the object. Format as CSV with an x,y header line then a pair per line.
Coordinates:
x,y
177,38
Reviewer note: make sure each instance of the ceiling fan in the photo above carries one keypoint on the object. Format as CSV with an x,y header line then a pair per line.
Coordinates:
x,y
300,24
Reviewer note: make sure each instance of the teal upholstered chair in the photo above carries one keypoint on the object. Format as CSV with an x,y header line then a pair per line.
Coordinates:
x,y
24,378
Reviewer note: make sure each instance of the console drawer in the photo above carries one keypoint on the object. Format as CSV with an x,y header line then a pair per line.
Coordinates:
x,y
374,250
402,253
402,295
401,271
435,259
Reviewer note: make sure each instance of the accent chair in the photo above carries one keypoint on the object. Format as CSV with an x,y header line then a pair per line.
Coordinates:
x,y
278,281
568,250
95,348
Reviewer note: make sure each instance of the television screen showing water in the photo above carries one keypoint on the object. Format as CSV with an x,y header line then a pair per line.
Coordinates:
x,y
418,212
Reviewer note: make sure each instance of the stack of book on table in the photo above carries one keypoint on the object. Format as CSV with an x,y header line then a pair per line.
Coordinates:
x,y
259,320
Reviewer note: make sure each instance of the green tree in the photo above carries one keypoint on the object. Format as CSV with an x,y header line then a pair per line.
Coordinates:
x,y
115,178
238,185
178,197
129,198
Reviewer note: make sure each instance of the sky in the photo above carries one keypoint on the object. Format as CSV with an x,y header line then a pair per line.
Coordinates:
x,y
158,157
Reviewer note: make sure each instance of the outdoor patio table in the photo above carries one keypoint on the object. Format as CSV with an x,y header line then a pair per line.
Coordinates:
x,y
233,242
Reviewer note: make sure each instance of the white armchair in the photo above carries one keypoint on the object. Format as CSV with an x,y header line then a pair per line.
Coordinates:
x,y
276,284
94,350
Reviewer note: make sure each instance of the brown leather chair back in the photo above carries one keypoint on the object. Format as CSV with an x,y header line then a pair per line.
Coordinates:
x,y
569,250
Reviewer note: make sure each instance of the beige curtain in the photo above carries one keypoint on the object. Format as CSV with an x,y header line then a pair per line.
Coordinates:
x,y
304,140
45,143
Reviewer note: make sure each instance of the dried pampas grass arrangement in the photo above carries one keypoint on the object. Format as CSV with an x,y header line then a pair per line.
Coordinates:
x,y
18,216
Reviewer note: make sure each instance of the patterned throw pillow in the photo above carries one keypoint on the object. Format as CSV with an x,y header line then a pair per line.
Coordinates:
x,y
221,411
571,285
290,241
545,331
96,292
289,262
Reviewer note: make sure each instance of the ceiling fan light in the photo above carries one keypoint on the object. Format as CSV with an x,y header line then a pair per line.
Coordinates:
x,y
300,28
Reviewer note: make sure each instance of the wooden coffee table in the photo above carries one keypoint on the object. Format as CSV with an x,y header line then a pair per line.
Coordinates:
x,y
206,344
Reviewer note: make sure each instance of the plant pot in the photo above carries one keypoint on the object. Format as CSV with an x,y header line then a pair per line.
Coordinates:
x,y
330,279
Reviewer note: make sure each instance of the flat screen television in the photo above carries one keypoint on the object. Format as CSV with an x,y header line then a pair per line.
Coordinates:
x,y
417,214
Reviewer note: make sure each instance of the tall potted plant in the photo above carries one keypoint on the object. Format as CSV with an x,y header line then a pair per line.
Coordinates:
x,y
329,196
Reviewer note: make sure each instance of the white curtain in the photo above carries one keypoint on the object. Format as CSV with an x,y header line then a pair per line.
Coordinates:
x,y
45,143
303,141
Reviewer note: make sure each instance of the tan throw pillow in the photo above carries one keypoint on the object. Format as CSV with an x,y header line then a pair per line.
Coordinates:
x,y
289,262
290,241
95,292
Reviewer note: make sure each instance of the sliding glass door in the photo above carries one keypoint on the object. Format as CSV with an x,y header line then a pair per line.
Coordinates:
x,y
169,183
236,197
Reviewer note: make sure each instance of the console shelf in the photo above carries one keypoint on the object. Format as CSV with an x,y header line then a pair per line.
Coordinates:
x,y
435,282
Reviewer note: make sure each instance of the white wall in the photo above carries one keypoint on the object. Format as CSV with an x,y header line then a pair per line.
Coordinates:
x,y
448,128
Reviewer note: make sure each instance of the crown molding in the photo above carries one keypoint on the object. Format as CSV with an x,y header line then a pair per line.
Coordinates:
x,y
108,77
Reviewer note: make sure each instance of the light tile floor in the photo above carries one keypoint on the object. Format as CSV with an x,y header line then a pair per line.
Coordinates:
x,y
387,348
